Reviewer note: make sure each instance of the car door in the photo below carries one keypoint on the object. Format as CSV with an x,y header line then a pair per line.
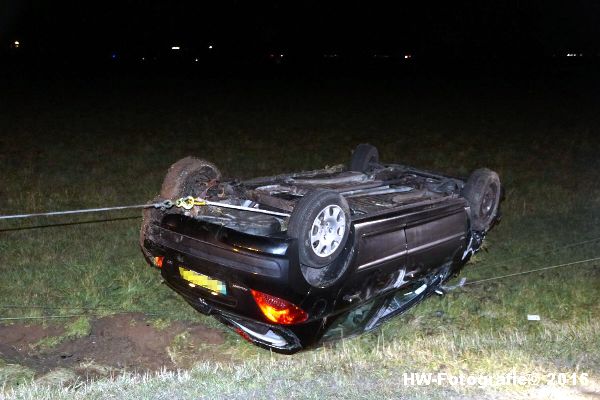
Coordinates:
x,y
381,243
434,238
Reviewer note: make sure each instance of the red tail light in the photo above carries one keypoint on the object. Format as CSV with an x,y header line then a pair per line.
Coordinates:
x,y
278,310
158,261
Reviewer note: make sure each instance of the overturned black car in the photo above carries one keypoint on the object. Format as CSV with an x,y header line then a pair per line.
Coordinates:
x,y
292,260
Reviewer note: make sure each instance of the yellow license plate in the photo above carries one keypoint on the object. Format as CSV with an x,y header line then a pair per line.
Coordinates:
x,y
195,278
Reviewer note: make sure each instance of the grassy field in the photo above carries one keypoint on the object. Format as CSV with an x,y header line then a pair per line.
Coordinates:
x,y
69,144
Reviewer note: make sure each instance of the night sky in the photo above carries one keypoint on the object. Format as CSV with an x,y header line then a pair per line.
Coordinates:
x,y
489,29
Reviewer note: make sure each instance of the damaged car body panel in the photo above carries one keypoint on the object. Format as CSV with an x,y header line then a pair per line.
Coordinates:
x,y
292,260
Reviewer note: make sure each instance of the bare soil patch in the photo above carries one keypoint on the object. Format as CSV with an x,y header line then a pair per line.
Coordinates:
x,y
115,343
18,339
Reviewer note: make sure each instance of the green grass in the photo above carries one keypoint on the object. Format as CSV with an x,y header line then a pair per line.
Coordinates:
x,y
74,329
78,146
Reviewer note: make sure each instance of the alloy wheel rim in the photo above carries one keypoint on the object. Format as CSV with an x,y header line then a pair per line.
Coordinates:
x,y
327,230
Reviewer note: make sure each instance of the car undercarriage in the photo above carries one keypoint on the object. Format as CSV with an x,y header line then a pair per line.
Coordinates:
x,y
382,189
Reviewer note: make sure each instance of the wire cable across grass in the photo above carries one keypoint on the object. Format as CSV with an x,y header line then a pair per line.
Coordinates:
x,y
82,211
506,261
162,312
72,307
532,271
186,203
94,312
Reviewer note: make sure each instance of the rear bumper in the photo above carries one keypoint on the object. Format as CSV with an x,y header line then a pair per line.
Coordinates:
x,y
242,262
278,338
229,256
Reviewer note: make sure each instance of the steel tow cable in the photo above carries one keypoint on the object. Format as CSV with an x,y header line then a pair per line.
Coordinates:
x,y
82,211
540,253
186,203
531,271
85,311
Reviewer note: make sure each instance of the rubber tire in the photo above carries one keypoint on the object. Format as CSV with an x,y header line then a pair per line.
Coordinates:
x,y
186,175
363,157
302,218
482,182
182,179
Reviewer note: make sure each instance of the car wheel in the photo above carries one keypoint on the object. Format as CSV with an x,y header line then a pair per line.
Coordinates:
x,y
363,158
321,223
188,177
482,191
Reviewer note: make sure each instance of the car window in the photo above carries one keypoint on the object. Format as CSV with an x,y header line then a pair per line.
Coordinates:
x,y
397,303
371,314
354,321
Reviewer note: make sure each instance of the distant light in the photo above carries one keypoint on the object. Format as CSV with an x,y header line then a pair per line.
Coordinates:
x,y
281,56
16,44
175,48
113,56
143,58
407,56
210,46
196,60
